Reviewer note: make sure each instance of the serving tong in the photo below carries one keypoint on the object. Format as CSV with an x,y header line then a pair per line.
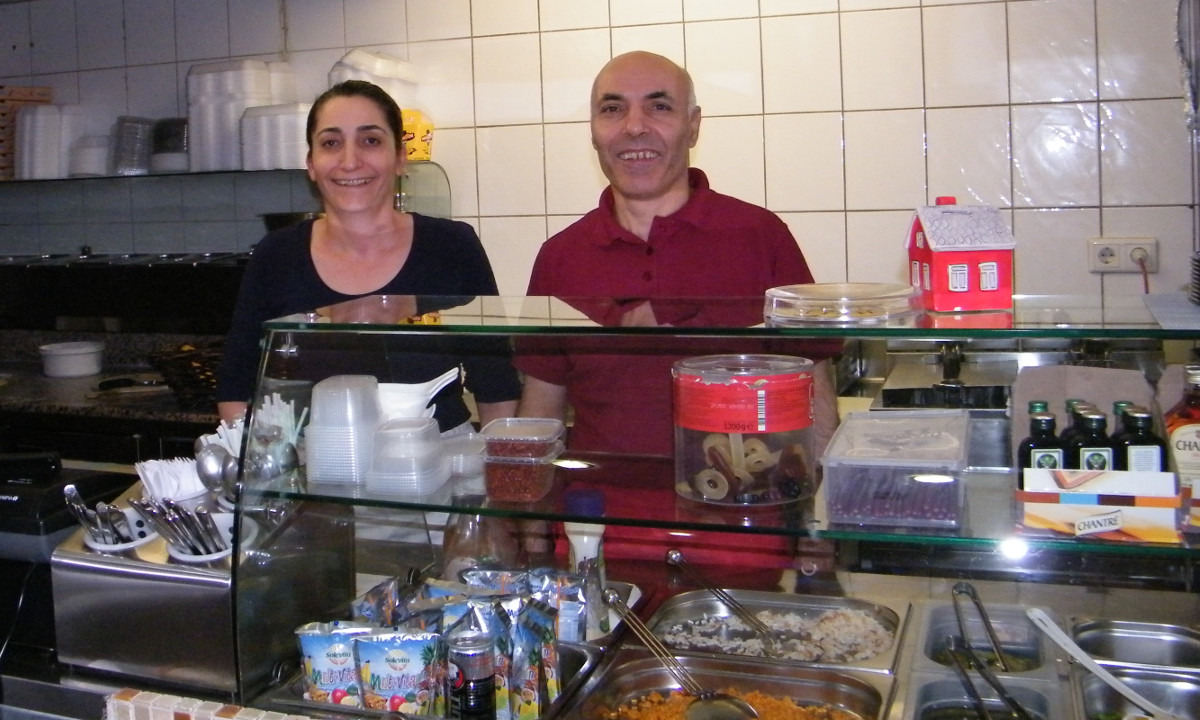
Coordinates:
x,y
766,634
708,704
964,657
190,531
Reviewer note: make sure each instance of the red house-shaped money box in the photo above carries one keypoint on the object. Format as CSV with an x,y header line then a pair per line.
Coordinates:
x,y
960,257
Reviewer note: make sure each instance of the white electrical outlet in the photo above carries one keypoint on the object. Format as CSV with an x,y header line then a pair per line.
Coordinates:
x,y
1122,255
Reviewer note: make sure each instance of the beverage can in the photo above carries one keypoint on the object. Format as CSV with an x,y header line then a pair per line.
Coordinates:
x,y
471,684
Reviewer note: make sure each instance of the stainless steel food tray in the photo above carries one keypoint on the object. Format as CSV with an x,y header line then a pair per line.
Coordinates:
x,y
696,605
1178,693
930,695
634,673
1019,638
578,662
1122,643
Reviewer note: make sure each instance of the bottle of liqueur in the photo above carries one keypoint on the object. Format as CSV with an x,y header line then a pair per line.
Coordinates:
x,y
1182,423
1118,415
1073,407
1038,406
1091,448
1138,447
1042,448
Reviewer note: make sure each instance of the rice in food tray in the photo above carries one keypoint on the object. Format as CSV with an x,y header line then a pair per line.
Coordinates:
x,y
839,635
673,705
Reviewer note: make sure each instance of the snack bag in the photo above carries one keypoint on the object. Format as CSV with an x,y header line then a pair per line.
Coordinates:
x,y
327,653
565,592
399,671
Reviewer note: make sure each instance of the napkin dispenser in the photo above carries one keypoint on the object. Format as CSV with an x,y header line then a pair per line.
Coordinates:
x,y
144,615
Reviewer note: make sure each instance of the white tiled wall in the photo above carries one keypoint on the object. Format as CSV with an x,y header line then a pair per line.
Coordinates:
x,y
841,115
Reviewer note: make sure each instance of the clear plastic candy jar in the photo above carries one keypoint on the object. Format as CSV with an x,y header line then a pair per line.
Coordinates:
x,y
743,428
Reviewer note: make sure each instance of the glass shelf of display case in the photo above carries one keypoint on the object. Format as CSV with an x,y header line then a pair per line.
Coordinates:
x,y
1032,316
372,335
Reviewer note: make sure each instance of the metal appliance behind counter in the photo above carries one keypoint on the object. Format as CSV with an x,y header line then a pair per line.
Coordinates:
x,y
33,521
144,615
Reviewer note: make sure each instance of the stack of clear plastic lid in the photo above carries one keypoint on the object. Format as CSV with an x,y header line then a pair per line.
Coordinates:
x,y
848,303
408,458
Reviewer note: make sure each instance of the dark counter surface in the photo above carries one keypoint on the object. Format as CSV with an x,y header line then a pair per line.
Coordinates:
x,y
26,389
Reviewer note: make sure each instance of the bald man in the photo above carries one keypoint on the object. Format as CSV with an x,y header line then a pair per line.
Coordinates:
x,y
659,249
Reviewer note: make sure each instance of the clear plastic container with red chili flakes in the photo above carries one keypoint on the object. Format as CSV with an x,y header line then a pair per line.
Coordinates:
x,y
524,437
520,479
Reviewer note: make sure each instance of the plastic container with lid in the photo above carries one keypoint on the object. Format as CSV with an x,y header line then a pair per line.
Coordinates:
x,y
71,359
397,77
522,437
228,78
743,428
466,454
839,303
519,478
408,457
898,469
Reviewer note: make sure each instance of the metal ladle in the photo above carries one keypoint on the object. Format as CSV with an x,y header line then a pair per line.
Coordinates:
x,y
210,460
1046,625
708,704
764,633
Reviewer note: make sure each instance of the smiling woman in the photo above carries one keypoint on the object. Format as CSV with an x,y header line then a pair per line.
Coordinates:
x,y
361,246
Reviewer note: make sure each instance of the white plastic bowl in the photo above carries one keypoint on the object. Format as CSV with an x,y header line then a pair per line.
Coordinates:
x,y
71,359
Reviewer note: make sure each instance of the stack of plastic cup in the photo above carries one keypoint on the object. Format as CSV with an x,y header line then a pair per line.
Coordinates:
x,y
408,458
132,142
344,415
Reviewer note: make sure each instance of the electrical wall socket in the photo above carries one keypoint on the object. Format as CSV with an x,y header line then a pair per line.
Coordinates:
x,y
1121,255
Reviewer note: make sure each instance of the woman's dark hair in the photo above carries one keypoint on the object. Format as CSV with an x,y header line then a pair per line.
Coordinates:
x,y
357,88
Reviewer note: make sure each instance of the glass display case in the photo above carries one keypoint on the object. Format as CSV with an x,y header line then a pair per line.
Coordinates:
x,y
396,530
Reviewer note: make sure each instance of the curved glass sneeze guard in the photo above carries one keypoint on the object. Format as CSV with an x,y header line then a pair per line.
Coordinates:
x,y
640,491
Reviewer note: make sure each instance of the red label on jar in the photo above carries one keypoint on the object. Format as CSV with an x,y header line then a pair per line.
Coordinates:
x,y
773,403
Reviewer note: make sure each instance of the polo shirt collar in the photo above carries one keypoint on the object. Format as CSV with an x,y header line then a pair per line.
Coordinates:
x,y
692,212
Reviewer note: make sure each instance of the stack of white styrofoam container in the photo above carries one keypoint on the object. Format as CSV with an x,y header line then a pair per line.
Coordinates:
x,y
273,137
397,77
218,95
44,138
